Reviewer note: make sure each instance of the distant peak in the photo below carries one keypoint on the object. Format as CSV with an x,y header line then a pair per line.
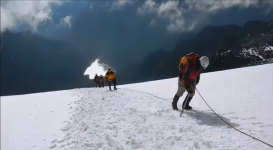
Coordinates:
x,y
27,32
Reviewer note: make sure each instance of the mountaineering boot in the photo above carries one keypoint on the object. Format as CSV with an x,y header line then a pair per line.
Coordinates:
x,y
174,103
187,107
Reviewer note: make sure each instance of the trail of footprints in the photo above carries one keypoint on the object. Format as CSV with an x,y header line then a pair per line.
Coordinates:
x,y
100,121
106,124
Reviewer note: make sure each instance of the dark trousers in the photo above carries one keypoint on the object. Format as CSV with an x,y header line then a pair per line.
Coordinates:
x,y
114,82
101,84
97,84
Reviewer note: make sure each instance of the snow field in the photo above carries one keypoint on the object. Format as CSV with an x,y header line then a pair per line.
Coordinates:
x,y
28,121
129,118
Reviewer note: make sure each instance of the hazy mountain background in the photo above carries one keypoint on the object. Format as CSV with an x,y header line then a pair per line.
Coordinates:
x,y
47,45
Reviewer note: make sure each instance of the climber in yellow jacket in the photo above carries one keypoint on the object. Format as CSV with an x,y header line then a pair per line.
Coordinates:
x,y
110,76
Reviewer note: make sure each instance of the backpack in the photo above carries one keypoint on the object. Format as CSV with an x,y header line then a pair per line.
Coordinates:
x,y
101,79
191,57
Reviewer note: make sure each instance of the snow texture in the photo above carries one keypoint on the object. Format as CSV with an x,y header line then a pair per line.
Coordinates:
x,y
257,54
132,118
269,48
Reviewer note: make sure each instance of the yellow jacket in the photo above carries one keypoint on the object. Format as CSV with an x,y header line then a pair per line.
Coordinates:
x,y
109,76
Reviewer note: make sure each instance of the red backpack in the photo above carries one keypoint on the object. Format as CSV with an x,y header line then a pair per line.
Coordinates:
x,y
191,57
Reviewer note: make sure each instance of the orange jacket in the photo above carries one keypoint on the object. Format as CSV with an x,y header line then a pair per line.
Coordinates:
x,y
110,75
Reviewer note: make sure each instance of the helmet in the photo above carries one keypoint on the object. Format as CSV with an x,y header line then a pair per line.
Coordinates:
x,y
204,61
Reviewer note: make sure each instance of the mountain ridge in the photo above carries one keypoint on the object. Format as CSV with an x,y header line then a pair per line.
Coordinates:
x,y
33,63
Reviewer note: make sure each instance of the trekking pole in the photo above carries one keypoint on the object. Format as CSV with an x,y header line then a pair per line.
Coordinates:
x,y
183,107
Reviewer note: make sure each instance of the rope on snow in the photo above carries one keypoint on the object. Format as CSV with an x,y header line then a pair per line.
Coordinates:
x,y
210,109
229,124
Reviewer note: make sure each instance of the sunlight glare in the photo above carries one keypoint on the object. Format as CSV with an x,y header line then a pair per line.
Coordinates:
x,y
96,68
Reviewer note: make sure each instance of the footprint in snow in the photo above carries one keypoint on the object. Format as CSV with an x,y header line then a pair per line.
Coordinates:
x,y
85,128
53,141
229,113
233,117
254,123
62,145
66,128
60,141
53,146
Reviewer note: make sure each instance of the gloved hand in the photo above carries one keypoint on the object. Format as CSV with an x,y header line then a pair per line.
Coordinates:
x,y
197,81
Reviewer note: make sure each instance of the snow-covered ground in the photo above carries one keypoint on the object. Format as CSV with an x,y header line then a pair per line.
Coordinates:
x,y
132,118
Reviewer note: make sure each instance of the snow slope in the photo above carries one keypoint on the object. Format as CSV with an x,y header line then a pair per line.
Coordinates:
x,y
132,118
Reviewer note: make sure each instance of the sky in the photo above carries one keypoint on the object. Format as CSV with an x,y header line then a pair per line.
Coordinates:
x,y
114,29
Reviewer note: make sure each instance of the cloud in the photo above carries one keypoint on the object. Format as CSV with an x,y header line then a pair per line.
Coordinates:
x,y
118,4
130,30
212,6
170,10
32,13
152,23
148,7
66,21
187,15
112,35
181,25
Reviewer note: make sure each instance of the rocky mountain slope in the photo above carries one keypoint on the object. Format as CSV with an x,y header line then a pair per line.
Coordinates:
x,y
228,47
32,63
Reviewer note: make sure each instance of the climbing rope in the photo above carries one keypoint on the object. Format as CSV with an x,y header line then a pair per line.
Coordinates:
x,y
210,109
148,94
229,124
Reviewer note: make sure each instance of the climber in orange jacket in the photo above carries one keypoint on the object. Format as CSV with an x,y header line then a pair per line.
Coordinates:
x,y
190,68
110,76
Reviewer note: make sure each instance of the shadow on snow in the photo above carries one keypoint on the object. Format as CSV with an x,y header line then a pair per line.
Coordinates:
x,y
208,118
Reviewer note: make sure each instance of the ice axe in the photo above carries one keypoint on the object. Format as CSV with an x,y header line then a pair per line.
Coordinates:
x,y
183,107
